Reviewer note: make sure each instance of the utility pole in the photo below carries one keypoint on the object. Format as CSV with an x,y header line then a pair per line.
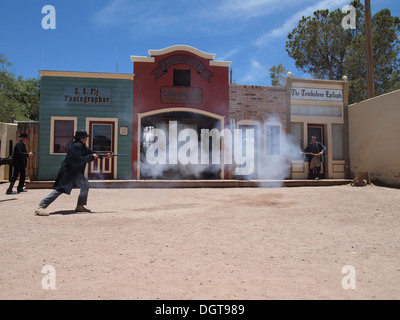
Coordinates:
x,y
370,52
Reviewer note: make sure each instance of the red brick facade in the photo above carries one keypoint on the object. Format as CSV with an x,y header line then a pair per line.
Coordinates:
x,y
258,103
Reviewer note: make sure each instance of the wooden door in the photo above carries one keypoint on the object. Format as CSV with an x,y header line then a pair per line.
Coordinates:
x,y
102,140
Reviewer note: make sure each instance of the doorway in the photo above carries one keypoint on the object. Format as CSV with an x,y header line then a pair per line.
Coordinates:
x,y
318,131
173,169
102,140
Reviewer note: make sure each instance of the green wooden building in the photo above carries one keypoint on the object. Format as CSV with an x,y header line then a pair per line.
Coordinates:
x,y
100,103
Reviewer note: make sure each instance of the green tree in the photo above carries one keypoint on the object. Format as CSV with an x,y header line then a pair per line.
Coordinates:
x,y
19,98
27,95
321,47
318,44
278,74
386,56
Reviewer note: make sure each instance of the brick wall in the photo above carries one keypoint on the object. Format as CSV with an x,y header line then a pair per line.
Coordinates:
x,y
257,103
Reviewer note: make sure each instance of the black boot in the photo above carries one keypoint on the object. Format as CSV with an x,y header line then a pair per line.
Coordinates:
x,y
317,172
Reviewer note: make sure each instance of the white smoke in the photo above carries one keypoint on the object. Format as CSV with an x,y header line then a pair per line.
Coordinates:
x,y
277,166
174,151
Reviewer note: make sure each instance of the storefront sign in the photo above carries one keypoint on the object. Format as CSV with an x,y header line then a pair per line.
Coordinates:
x,y
123,131
87,96
171,61
317,94
181,95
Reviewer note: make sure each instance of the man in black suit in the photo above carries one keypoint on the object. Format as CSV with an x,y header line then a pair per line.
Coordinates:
x,y
71,174
19,160
315,156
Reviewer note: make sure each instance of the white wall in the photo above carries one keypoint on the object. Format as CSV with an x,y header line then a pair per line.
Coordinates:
x,y
374,134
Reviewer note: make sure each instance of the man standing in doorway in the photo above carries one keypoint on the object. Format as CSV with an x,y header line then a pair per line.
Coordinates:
x,y
315,156
20,156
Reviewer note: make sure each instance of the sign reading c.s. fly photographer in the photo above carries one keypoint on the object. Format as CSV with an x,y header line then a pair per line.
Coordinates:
x,y
87,96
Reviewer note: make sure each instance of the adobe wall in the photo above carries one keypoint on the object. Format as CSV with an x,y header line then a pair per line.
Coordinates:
x,y
373,138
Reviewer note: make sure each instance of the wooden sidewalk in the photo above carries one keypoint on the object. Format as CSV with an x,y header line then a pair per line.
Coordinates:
x,y
198,183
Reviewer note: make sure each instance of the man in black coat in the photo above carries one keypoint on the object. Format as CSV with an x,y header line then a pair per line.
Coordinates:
x,y
315,156
20,156
71,174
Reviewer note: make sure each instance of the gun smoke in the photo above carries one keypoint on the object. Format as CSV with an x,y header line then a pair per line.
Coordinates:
x,y
169,153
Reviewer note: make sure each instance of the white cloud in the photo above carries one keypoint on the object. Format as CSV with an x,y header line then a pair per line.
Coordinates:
x,y
125,13
255,73
248,8
229,27
228,55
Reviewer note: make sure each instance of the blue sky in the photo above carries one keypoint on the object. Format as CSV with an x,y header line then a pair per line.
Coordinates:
x,y
91,35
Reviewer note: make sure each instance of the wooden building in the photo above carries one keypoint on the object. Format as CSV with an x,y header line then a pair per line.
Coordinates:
x,y
179,116
99,103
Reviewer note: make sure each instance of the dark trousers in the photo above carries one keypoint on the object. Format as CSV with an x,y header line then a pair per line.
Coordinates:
x,y
22,176
314,173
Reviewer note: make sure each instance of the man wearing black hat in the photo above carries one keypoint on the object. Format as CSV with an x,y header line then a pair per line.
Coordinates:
x,y
19,160
71,174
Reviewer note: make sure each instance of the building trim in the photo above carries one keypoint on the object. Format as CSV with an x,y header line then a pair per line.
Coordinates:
x,y
53,119
116,129
79,74
217,63
190,49
155,53
318,83
143,59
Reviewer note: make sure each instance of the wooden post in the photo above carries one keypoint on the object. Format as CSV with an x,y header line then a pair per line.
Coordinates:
x,y
370,52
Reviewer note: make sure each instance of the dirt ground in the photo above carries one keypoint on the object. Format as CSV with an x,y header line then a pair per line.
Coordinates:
x,y
236,243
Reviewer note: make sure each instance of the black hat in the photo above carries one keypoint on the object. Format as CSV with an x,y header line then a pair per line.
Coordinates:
x,y
23,135
81,134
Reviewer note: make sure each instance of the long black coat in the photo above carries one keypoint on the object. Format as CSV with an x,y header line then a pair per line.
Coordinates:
x,y
71,173
20,156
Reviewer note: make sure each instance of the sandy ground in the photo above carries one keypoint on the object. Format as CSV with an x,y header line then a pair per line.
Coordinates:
x,y
239,243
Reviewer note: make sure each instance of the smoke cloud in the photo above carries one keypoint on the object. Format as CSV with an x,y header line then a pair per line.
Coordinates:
x,y
174,151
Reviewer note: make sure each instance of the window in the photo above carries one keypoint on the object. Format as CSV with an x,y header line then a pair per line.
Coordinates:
x,y
273,133
337,134
297,139
62,134
102,136
182,78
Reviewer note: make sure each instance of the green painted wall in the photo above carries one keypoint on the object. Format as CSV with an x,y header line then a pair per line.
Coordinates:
x,y
52,104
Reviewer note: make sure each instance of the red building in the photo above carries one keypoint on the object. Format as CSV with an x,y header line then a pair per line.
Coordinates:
x,y
175,88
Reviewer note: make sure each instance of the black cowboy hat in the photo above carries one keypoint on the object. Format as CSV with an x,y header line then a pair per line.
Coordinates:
x,y
23,135
81,134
